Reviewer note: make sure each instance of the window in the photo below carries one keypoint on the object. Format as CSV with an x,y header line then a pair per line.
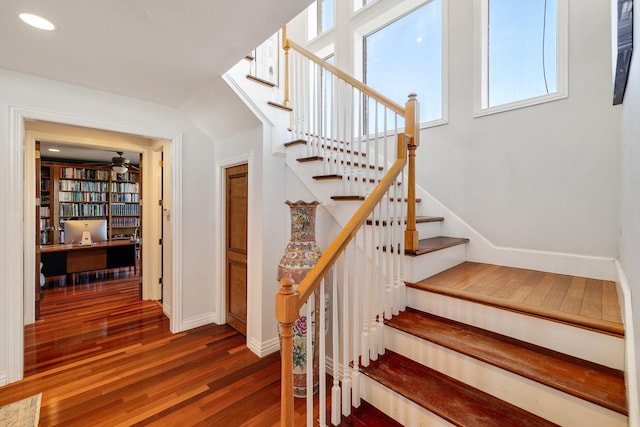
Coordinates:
x,y
523,58
325,15
406,56
359,4
321,17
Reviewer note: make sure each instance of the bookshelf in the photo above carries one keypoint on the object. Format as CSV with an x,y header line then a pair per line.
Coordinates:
x,y
46,230
125,205
79,192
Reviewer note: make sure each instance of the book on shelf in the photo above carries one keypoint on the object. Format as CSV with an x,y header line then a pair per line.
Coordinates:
x,y
82,173
124,209
82,209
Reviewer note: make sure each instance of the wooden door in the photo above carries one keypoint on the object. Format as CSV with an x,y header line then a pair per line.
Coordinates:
x,y
236,246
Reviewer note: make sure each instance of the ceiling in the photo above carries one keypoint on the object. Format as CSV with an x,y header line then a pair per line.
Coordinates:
x,y
78,152
163,51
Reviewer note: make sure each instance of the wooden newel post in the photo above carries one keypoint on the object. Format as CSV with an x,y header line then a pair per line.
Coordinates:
x,y
287,312
412,132
286,47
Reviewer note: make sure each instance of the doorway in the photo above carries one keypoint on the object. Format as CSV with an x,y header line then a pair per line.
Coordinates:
x,y
20,295
236,218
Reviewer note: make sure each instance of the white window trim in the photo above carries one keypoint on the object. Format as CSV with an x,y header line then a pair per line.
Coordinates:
x,y
312,21
481,65
394,13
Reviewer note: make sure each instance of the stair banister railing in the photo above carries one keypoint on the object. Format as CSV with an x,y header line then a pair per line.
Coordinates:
x,y
344,123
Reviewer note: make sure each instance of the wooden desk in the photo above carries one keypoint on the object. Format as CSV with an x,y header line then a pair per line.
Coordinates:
x,y
58,260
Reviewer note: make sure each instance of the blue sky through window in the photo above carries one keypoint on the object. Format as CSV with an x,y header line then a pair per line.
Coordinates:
x,y
406,56
522,50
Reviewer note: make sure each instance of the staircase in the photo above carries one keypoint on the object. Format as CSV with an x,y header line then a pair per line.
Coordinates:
x,y
478,344
468,358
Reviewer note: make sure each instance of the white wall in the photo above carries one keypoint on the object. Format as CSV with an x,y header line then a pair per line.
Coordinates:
x,y
267,229
543,177
122,114
630,195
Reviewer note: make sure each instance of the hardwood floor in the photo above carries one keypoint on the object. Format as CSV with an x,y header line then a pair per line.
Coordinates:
x,y
102,357
587,303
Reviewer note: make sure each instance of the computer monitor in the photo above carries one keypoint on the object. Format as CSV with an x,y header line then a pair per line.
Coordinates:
x,y
74,228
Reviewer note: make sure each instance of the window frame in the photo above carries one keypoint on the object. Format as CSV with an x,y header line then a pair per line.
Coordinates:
x,y
481,62
315,16
389,17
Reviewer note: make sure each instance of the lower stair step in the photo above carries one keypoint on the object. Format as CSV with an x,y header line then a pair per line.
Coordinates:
x,y
595,383
446,397
436,243
367,415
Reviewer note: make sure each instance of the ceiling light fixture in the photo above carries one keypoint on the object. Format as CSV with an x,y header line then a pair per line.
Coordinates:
x,y
53,150
120,164
37,21
119,169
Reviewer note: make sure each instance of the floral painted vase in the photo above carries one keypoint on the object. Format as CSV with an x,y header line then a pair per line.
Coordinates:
x,y
301,254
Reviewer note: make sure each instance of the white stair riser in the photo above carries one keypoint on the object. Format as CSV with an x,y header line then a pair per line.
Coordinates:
x,y
546,402
398,407
427,265
589,345
426,229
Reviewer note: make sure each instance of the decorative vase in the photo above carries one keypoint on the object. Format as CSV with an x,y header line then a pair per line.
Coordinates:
x,y
301,254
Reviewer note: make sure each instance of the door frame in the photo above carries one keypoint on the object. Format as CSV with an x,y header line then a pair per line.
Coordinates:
x,y
21,252
253,277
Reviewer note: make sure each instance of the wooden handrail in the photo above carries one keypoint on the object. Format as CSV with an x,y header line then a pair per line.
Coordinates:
x,y
335,249
289,301
346,77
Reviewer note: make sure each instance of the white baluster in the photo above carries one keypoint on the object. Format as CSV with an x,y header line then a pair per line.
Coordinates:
x,y
365,301
335,390
346,377
309,357
322,369
355,382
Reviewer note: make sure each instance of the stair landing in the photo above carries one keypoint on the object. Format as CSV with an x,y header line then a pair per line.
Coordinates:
x,y
587,303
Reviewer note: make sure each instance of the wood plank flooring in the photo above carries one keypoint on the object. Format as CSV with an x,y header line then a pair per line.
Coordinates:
x,y
580,301
103,357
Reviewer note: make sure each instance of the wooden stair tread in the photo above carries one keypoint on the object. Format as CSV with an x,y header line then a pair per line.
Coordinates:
x,y
260,81
347,198
344,162
446,397
419,220
355,198
475,281
301,141
437,243
280,106
367,415
595,383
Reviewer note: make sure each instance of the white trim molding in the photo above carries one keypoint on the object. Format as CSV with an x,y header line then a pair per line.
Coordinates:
x,y
175,171
481,62
631,369
262,349
15,244
197,321
252,250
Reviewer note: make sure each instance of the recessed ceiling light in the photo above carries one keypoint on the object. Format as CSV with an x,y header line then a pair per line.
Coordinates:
x,y
37,21
54,150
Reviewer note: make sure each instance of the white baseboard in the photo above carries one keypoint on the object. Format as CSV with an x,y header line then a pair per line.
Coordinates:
x,y
262,349
481,249
194,322
631,370
166,309
3,378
